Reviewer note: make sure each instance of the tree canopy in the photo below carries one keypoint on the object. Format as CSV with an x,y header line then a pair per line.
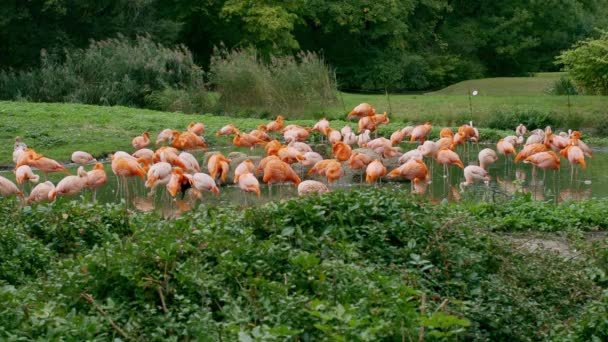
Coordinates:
x,y
372,44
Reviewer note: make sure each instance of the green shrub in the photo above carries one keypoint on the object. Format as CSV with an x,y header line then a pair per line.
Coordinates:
x,y
286,85
531,118
109,72
563,86
587,64
180,100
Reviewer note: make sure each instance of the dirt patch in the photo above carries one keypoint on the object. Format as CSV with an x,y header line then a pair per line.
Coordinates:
x,y
537,245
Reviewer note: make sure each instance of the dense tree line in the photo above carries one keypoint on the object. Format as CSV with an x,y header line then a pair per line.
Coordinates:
x,y
372,44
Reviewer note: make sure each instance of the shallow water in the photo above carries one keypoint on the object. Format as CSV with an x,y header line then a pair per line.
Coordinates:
x,y
507,179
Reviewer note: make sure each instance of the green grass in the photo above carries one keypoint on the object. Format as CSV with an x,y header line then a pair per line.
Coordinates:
x,y
57,130
504,86
586,112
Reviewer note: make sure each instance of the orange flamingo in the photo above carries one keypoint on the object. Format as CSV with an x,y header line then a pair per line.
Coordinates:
x,y
446,132
218,165
197,128
363,109
46,165
187,141
414,170
273,147
341,151
96,178
372,122
374,171
260,135
126,167
178,183
505,147
40,193
273,126
576,140
529,150
229,129
311,187
421,132
246,140
263,163
544,160
575,155
277,171
397,137
141,141
329,168
448,157
245,167
290,155
24,173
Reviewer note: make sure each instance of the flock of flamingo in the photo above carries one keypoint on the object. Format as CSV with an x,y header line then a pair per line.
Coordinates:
x,y
173,167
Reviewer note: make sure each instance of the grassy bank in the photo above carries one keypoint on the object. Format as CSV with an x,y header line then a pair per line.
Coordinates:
x,y
347,265
585,111
57,130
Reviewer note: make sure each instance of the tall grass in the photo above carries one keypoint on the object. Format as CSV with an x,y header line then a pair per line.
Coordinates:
x,y
289,85
116,71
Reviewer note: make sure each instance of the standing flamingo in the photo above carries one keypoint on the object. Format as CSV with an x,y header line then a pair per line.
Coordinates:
x,y
8,188
473,173
96,178
248,183
70,185
218,165
374,171
40,193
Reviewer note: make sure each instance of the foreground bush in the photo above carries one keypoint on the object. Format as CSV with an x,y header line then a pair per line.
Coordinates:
x,y
109,72
355,265
287,85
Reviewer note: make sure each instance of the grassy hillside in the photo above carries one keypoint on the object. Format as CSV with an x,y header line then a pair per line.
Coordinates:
x,y
585,111
504,86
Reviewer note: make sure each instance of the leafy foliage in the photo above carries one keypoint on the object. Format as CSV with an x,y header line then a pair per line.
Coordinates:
x,y
109,72
285,85
343,266
586,62
372,45
530,118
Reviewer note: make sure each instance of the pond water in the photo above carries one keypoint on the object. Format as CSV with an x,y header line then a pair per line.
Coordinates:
x,y
507,179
